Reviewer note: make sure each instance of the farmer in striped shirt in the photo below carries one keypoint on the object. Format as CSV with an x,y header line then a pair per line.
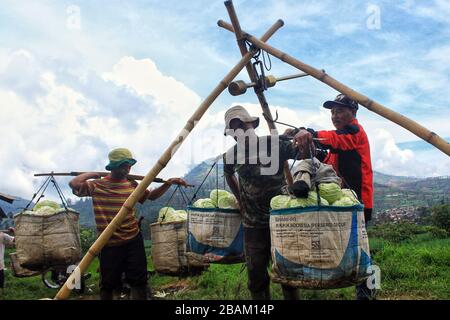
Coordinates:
x,y
124,252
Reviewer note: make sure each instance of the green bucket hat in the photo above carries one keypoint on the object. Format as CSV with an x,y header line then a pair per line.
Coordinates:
x,y
119,156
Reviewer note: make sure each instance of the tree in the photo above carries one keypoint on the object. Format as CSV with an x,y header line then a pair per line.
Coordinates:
x,y
440,217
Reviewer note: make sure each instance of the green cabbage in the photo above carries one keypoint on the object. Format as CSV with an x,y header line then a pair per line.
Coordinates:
x,y
298,202
46,203
350,194
204,203
164,212
216,194
228,202
171,215
307,202
45,211
280,202
344,202
330,192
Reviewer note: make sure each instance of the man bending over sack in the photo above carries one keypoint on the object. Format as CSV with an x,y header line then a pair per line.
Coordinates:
x,y
124,252
259,181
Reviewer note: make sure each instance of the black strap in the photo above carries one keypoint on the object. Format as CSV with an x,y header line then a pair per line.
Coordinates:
x,y
60,193
168,202
40,191
201,184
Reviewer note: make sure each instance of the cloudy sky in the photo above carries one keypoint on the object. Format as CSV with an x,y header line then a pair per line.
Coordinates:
x,y
78,78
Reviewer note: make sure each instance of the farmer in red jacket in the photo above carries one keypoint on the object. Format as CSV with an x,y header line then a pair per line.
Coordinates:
x,y
349,154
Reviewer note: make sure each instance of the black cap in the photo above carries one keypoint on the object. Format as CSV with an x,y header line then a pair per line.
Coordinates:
x,y
341,100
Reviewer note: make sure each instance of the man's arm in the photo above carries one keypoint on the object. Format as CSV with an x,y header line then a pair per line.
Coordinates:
x,y
158,192
80,186
234,187
332,139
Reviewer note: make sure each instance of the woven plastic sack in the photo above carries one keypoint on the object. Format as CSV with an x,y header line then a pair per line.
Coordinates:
x,y
319,247
215,235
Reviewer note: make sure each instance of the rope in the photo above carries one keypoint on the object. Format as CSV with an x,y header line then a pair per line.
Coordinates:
x,y
60,193
168,202
201,184
268,59
46,183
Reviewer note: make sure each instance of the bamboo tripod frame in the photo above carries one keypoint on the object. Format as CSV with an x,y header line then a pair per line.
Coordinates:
x,y
129,204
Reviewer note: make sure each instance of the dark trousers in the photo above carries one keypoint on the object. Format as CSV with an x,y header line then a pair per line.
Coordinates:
x,y
2,279
128,258
257,247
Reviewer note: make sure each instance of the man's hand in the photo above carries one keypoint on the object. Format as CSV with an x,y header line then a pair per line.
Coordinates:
x,y
290,132
177,181
303,139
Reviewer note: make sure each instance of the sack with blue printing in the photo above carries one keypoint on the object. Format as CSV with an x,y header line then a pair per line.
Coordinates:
x,y
319,247
215,231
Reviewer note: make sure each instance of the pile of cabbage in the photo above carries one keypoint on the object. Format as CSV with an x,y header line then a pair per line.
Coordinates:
x,y
46,208
330,194
218,198
169,214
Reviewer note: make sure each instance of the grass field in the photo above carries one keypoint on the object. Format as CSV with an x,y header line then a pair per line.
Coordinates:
x,y
414,268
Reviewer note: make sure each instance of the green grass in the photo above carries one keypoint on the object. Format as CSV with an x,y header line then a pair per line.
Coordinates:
x,y
415,268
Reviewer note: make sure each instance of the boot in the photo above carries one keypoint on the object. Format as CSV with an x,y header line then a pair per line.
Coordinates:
x,y
139,293
261,295
290,293
106,294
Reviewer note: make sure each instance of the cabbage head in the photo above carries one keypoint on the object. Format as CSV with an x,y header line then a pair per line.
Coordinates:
x,y
45,211
330,192
216,194
165,213
46,203
280,202
204,203
299,202
228,202
307,202
350,194
344,202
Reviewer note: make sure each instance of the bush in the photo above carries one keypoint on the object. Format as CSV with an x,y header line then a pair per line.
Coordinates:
x,y
87,237
436,232
396,232
440,217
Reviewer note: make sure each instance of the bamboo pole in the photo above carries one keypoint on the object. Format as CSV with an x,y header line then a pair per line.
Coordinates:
x,y
100,174
129,204
373,106
253,78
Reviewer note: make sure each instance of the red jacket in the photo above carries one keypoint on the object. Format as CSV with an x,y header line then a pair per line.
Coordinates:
x,y
350,157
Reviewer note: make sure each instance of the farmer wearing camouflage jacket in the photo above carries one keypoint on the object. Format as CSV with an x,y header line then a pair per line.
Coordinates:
x,y
259,181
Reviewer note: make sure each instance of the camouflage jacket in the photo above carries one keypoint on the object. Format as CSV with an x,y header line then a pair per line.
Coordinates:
x,y
259,179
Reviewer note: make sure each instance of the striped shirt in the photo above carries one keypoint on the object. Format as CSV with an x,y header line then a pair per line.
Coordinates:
x,y
108,196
